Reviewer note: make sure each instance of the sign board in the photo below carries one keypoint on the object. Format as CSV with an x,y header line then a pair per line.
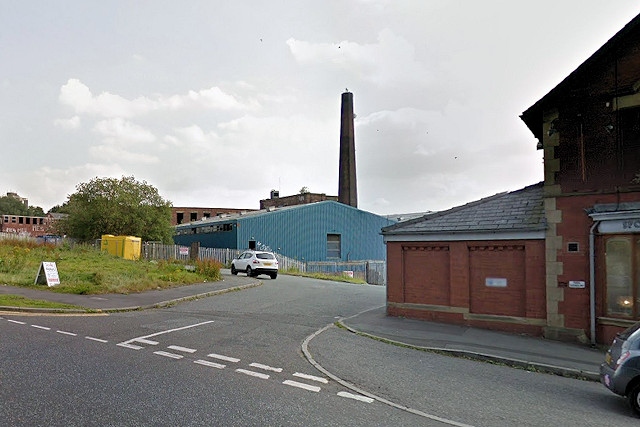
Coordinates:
x,y
631,225
576,284
184,250
494,282
48,273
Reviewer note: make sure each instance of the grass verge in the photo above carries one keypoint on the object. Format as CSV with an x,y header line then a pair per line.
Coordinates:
x,y
20,301
83,270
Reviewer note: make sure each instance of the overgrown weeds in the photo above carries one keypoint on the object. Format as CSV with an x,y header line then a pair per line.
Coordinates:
x,y
85,270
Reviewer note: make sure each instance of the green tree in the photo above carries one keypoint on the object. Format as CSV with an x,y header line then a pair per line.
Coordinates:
x,y
35,211
12,206
118,207
304,190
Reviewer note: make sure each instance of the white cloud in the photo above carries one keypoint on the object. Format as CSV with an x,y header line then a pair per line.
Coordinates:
x,y
390,61
68,124
125,142
123,132
77,95
215,98
221,118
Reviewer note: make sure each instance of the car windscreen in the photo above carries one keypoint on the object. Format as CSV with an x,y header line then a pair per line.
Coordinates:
x,y
629,331
265,256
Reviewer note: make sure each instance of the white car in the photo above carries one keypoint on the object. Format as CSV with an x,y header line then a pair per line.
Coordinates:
x,y
254,263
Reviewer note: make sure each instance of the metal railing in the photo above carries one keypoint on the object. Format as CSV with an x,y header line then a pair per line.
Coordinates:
x,y
372,272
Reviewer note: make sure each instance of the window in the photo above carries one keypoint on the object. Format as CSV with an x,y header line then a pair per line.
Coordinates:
x,y
333,246
179,217
622,259
193,216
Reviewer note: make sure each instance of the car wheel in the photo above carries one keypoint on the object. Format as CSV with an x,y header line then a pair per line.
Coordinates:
x,y
249,272
233,270
273,275
634,399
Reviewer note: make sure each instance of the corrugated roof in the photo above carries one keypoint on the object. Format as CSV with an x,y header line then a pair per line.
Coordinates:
x,y
516,211
256,213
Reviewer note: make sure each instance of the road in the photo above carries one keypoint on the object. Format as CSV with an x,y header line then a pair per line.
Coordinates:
x,y
236,360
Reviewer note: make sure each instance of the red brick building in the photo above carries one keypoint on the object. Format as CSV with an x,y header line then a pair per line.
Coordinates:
x,y
183,215
34,226
275,201
480,264
581,279
589,129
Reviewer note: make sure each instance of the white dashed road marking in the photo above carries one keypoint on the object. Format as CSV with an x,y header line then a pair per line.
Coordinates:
x,y
131,346
301,385
183,349
311,377
167,354
253,374
355,397
143,341
225,358
265,367
210,364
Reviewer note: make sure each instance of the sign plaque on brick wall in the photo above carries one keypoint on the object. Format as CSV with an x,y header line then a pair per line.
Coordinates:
x,y
495,282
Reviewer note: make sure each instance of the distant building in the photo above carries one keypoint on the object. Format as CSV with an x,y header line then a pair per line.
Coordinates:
x,y
322,231
34,226
275,201
22,200
182,215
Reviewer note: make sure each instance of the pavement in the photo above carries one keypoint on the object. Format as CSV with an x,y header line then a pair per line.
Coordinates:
x,y
560,358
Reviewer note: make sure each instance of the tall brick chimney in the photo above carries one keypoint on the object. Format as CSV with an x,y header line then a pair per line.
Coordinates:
x,y
347,186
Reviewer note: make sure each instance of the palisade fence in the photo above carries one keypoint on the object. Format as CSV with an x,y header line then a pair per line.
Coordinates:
x,y
373,272
12,236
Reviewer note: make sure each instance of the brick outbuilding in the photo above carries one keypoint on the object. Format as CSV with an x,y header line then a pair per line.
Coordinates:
x,y
480,264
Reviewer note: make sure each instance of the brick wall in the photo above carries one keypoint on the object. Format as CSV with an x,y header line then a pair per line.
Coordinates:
x,y
446,281
298,199
574,228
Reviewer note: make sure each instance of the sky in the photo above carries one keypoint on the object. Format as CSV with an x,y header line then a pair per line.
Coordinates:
x,y
216,103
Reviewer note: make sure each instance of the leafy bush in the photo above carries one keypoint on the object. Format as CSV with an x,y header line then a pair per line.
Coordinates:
x,y
13,259
209,268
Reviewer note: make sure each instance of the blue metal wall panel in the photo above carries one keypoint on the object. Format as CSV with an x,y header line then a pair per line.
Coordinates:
x,y
220,239
301,232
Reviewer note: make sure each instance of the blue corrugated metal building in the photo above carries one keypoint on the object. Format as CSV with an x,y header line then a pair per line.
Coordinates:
x,y
322,231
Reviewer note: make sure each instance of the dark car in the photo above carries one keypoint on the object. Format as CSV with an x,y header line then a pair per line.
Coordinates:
x,y
620,371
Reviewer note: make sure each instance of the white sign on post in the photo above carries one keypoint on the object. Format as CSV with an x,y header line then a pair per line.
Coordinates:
x,y
48,272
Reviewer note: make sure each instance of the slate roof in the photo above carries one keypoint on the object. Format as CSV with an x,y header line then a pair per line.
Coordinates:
x,y
517,211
